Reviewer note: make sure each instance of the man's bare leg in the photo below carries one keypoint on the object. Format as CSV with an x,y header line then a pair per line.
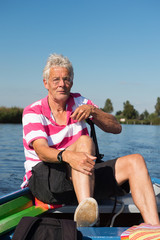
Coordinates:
x,y
86,213
133,168
83,184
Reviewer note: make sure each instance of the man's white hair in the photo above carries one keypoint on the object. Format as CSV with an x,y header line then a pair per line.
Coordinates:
x,y
57,60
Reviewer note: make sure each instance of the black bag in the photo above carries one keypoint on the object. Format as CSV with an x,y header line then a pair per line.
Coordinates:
x,y
46,228
49,184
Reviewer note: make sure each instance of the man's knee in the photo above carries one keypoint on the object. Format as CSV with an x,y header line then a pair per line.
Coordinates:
x,y
137,162
85,138
128,166
85,142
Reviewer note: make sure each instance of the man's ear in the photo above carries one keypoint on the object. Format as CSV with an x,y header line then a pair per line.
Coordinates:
x,y
45,83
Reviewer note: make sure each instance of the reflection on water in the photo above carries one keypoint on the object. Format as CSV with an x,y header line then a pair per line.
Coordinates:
x,y
133,139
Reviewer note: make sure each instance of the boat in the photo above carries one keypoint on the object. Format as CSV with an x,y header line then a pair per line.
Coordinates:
x,y
116,214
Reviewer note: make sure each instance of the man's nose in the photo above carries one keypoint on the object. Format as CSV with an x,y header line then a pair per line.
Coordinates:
x,y
61,82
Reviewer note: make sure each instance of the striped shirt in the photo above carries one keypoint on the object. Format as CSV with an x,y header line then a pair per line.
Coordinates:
x,y
38,122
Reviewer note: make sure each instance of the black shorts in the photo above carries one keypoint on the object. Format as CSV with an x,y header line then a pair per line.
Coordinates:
x,y
49,183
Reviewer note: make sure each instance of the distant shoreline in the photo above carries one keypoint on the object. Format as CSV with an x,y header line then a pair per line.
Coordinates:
x,y
14,115
155,122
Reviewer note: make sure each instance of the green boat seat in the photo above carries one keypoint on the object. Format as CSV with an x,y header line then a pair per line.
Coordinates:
x,y
14,209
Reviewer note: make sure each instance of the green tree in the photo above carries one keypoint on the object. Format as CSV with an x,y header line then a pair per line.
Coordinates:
x,y
144,115
108,107
118,113
157,107
129,112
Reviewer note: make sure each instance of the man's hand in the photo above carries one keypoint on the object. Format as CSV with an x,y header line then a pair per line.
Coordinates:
x,y
83,112
82,162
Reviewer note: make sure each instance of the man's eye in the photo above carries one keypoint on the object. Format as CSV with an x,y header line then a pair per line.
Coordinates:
x,y
56,79
66,79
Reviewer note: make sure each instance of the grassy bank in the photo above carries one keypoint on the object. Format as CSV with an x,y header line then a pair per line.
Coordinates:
x,y
11,115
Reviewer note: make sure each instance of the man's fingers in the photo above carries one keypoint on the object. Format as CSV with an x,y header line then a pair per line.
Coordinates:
x,y
73,115
91,159
87,172
83,162
87,168
81,113
79,116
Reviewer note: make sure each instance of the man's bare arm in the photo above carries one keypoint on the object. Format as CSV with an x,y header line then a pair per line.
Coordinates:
x,y
107,122
44,152
82,162
103,120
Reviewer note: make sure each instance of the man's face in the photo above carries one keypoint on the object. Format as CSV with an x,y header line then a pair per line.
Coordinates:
x,y
58,84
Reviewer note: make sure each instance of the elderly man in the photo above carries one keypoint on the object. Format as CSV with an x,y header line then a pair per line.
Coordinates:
x,y
60,156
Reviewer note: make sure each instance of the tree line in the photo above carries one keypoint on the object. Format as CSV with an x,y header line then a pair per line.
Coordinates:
x,y
128,115
131,116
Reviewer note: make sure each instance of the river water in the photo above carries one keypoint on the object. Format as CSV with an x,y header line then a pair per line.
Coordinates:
x,y
143,139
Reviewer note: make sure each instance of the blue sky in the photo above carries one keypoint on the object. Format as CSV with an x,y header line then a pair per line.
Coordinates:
x,y
114,46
